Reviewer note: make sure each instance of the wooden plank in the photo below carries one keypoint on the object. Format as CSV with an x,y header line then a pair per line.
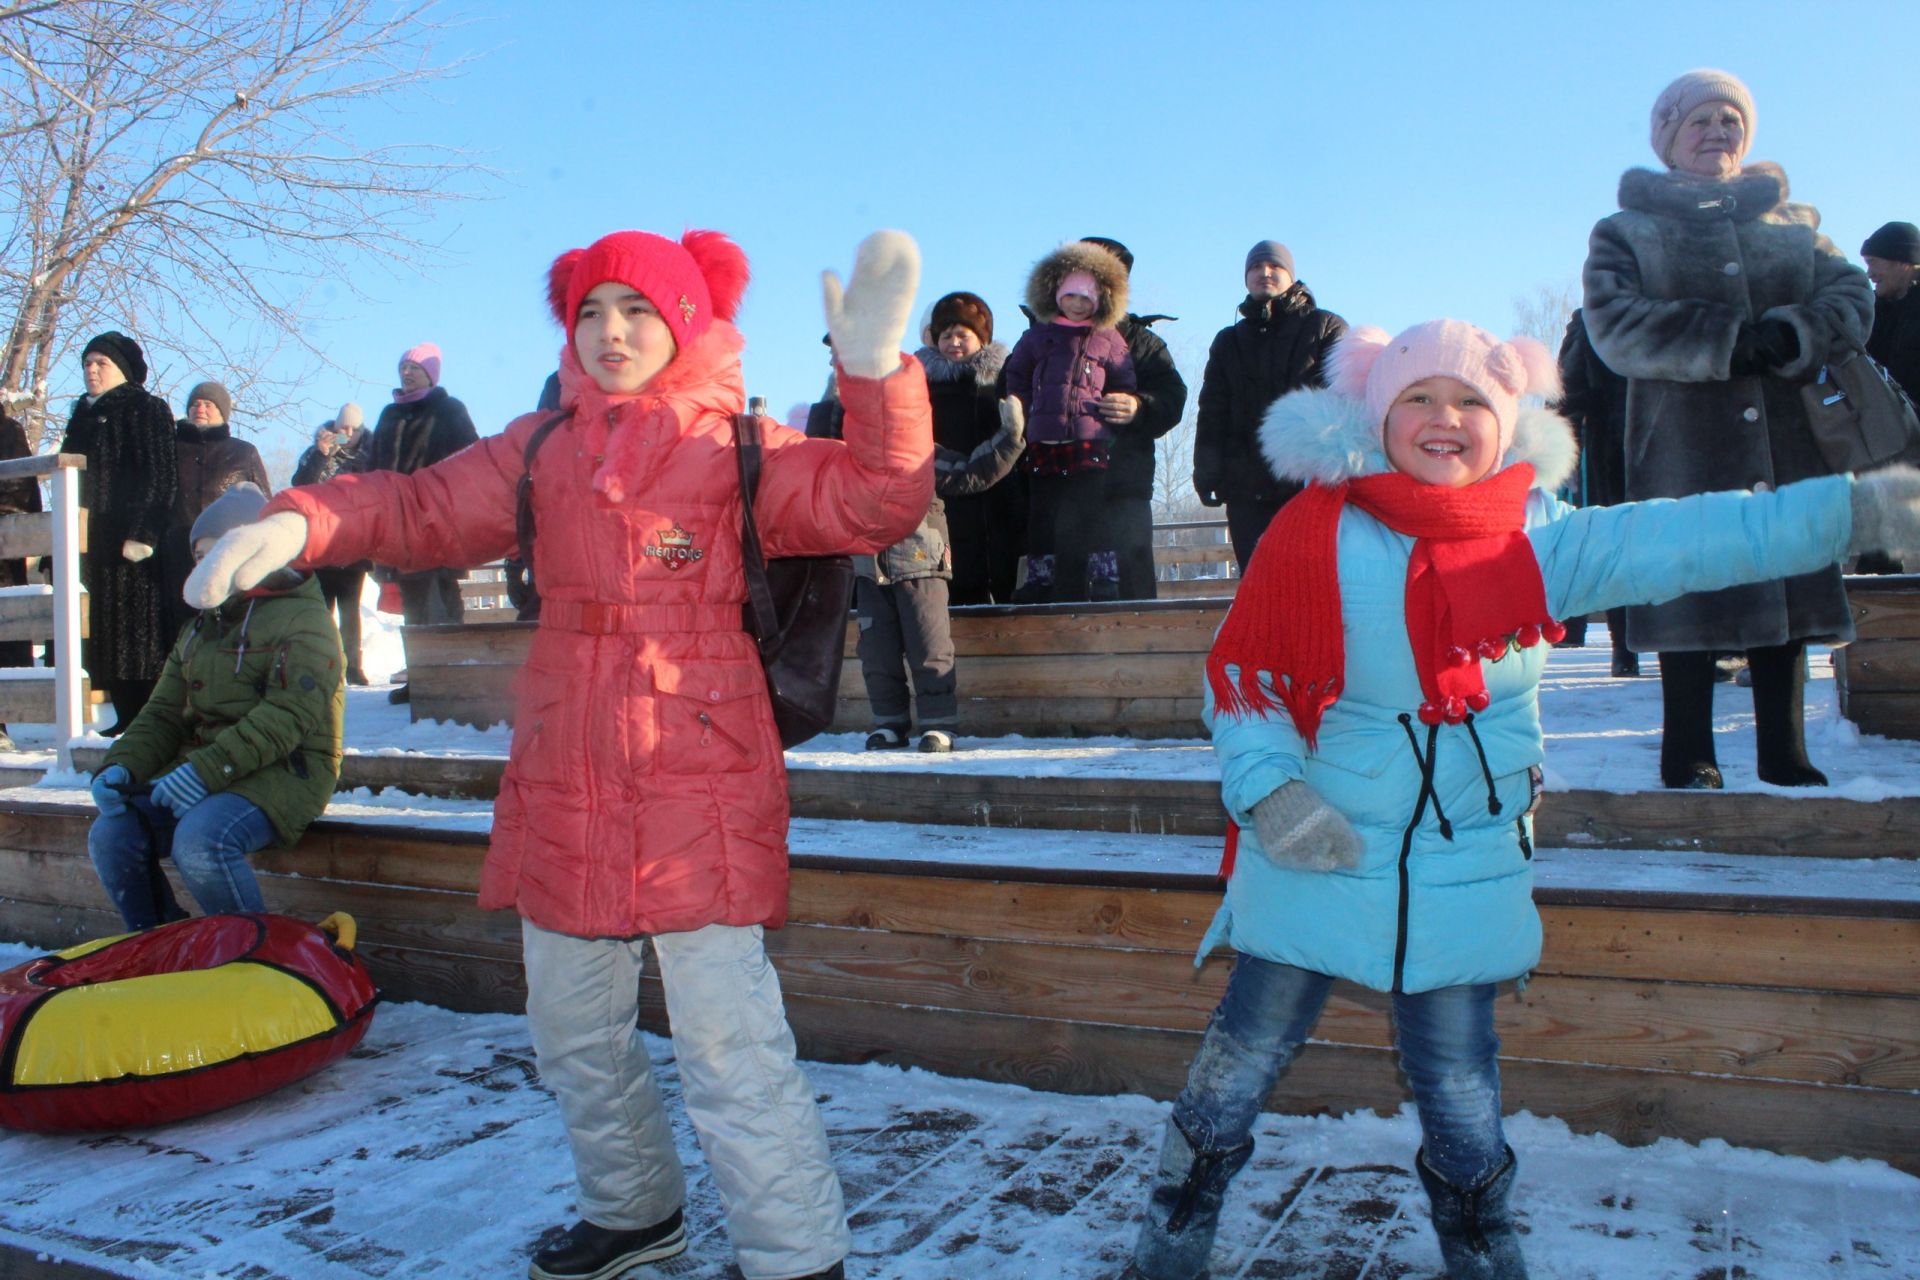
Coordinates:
x,y
1881,666
41,464
1219,553
1885,608
1818,1037
1065,675
30,617
1150,805
1197,588
1634,1107
47,1261
30,533
1052,717
1888,715
30,699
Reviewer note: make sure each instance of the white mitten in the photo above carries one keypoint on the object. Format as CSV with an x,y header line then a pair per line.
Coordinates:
x,y
1298,829
867,321
135,552
1886,512
243,556
1013,419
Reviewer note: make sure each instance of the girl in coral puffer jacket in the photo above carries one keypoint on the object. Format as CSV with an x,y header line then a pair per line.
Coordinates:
x,y
646,795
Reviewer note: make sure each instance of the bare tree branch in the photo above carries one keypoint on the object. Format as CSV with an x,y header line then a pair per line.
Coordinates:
x,y
188,169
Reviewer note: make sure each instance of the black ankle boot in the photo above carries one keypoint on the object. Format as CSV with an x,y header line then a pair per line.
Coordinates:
x,y
588,1252
1477,1236
1686,736
1183,1209
1780,715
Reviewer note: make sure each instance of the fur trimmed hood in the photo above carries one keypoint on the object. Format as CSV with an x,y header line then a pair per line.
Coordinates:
x,y
1316,436
1757,191
1078,255
982,367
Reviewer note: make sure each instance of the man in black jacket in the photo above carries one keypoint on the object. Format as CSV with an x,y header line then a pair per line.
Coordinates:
x,y
1279,345
1138,419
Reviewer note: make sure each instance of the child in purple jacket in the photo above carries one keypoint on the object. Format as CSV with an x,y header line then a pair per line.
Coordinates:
x,y
1058,371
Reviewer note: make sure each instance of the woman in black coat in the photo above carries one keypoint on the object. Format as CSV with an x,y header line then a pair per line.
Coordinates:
x,y
126,435
209,462
340,448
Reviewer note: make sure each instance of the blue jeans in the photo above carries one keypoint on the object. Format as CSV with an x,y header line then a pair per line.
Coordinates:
x,y
1447,1050
209,846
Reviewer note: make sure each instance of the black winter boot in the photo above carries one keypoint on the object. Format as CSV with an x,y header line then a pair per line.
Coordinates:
x,y
1780,715
1183,1210
1475,1227
588,1252
1686,736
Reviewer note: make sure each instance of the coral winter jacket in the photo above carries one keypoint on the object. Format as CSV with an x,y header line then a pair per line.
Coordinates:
x,y
646,791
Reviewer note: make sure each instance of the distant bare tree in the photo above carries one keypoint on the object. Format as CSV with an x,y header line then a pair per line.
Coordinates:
x,y
187,170
1173,495
1543,313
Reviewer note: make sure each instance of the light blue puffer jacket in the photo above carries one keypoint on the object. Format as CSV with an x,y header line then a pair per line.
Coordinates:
x,y
1422,911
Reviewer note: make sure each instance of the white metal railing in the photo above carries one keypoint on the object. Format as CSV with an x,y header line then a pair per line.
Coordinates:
x,y
57,533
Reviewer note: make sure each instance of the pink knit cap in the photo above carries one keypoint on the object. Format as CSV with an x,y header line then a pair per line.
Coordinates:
x,y
1696,88
427,356
1080,282
1369,366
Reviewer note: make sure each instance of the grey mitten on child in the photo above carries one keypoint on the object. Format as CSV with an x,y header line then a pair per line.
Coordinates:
x,y
1298,829
1886,512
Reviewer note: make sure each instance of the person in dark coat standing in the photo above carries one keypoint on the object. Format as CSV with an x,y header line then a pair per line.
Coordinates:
x,y
422,426
1139,419
340,448
1718,299
1279,344
126,435
209,461
1893,264
1594,399
985,531
17,497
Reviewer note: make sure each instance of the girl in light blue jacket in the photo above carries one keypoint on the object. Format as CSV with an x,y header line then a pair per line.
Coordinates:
x,y
1373,699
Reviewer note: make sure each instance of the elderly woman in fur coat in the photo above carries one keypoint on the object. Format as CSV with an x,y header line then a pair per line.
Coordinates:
x,y
1716,298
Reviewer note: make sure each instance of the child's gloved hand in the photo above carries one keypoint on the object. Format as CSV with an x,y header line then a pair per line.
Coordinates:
x,y
107,796
1886,512
179,789
1298,829
868,319
243,556
1013,419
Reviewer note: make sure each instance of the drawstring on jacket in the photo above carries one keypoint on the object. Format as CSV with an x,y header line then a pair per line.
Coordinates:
x,y
1427,790
1493,799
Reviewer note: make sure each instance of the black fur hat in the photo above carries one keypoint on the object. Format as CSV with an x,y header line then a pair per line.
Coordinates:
x,y
122,350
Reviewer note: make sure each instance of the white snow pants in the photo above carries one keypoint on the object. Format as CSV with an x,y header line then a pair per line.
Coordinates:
x,y
750,1105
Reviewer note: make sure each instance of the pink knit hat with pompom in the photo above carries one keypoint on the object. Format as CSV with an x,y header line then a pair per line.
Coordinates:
x,y
1368,366
692,281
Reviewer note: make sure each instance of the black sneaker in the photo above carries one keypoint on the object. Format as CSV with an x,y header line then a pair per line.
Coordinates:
x,y
886,738
399,695
936,740
587,1252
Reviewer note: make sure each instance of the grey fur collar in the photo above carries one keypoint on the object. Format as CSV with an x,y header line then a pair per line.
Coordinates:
x,y
1079,255
1317,436
1758,190
982,366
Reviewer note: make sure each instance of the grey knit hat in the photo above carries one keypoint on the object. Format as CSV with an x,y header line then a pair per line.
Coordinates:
x,y
215,394
1701,85
1270,251
239,505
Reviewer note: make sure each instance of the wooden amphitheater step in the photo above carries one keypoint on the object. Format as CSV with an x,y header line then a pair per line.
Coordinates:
x,y
1769,1002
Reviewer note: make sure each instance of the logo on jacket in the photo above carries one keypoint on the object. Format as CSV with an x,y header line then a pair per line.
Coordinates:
x,y
675,546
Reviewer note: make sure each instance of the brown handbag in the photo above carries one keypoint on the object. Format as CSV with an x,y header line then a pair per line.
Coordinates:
x,y
796,609
1860,417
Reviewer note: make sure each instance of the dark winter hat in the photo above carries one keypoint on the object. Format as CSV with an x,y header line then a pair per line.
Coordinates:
x,y
1896,242
1115,248
1270,251
122,350
217,395
963,308
237,506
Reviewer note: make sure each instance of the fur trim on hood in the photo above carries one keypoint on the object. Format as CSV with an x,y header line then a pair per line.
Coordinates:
x,y
1078,255
983,366
1758,190
1316,436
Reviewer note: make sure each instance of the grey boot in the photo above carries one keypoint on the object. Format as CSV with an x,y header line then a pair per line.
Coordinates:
x,y
1183,1210
1477,1237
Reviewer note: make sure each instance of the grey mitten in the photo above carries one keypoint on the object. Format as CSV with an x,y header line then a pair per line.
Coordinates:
x,y
1886,512
1298,829
867,319
1013,418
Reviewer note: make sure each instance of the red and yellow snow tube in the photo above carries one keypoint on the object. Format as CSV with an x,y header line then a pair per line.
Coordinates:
x,y
147,1028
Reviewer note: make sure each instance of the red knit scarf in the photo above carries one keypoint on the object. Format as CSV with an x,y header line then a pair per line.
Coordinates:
x,y
1473,588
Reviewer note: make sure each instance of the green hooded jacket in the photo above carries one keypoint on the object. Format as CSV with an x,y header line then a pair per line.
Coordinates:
x,y
253,696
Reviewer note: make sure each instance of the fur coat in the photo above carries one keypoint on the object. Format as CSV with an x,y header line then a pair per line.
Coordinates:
x,y
1669,280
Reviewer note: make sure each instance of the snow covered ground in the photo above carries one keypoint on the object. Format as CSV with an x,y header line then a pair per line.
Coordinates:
x,y
433,1151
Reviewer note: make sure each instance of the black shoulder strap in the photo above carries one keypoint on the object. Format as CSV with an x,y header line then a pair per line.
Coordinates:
x,y
523,493
753,561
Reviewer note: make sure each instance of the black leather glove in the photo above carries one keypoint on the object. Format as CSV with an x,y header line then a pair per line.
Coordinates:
x,y
1779,340
1749,356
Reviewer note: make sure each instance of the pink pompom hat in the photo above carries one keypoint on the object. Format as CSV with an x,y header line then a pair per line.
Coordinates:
x,y
1369,366
693,281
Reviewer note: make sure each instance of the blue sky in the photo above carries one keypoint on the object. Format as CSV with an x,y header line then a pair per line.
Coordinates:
x,y
1420,160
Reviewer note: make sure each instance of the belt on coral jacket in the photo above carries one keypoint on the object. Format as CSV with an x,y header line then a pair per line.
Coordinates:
x,y
597,619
